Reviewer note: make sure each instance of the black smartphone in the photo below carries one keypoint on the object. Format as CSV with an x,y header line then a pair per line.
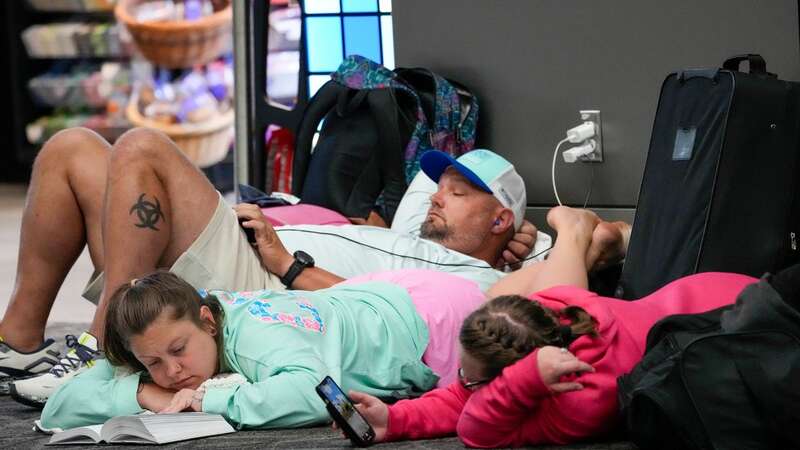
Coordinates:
x,y
248,232
345,414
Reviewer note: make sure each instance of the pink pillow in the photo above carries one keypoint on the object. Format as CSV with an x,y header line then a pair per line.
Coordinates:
x,y
303,214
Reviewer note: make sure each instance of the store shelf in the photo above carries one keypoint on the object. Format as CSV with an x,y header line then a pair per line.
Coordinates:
x,y
90,48
77,58
70,6
109,133
64,15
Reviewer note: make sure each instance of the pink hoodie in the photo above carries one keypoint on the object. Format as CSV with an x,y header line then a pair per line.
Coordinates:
x,y
517,409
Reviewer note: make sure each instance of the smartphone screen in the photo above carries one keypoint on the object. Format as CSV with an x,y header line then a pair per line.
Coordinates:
x,y
347,412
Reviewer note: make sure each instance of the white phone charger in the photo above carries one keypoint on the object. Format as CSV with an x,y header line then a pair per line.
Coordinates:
x,y
572,155
581,133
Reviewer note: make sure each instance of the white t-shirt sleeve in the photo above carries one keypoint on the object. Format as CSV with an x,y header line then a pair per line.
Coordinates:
x,y
413,208
540,249
352,250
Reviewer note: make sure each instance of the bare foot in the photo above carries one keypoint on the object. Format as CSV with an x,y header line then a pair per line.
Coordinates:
x,y
580,221
609,244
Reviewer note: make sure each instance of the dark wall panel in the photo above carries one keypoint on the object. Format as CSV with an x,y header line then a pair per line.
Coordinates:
x,y
535,63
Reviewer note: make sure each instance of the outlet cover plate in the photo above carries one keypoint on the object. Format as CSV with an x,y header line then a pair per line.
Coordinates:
x,y
593,115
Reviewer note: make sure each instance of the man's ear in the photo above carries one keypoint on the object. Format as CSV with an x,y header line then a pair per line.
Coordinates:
x,y
503,221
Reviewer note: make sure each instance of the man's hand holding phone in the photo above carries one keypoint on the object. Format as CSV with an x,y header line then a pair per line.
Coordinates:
x,y
274,256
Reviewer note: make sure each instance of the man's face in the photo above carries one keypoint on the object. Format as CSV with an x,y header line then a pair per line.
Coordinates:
x,y
461,214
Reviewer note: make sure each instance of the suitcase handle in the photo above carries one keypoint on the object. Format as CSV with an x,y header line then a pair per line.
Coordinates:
x,y
757,64
685,75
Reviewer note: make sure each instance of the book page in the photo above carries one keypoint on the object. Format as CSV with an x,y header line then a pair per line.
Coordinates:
x,y
125,429
127,433
80,435
147,429
180,426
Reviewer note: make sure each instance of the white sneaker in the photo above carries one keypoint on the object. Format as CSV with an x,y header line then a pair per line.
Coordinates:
x,y
17,364
36,390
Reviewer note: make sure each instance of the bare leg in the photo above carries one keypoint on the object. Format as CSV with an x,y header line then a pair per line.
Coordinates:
x,y
157,204
566,264
62,214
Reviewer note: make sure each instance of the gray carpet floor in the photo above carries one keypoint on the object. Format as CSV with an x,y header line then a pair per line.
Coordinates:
x,y
17,426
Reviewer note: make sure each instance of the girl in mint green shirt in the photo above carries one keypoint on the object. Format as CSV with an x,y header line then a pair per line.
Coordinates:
x,y
164,340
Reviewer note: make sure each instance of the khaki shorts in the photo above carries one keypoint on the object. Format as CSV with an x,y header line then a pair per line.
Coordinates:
x,y
220,258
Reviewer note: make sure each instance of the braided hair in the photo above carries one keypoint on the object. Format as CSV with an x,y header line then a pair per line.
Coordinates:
x,y
507,328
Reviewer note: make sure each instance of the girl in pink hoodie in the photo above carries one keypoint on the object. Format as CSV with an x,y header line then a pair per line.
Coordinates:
x,y
543,369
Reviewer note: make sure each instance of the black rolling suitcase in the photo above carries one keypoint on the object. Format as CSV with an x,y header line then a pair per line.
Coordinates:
x,y
719,191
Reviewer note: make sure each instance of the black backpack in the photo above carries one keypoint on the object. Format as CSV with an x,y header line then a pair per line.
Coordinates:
x,y
377,124
725,379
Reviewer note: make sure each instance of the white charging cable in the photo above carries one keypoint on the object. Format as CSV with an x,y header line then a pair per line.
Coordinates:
x,y
553,168
581,133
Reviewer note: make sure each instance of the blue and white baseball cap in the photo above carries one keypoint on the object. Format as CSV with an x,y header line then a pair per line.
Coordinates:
x,y
487,170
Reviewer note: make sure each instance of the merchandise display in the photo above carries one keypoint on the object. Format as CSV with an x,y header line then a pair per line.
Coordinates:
x,y
167,10
194,96
71,5
81,60
83,86
88,95
74,61
73,40
178,34
187,90
194,107
283,54
110,127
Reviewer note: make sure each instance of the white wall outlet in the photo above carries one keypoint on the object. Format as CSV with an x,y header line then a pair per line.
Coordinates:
x,y
593,115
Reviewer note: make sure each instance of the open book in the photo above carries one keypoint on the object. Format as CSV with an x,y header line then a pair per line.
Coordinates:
x,y
146,429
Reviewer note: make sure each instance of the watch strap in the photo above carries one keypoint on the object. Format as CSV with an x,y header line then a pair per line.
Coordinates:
x,y
294,270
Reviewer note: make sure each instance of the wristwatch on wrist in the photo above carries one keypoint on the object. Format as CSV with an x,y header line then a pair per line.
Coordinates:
x,y
302,260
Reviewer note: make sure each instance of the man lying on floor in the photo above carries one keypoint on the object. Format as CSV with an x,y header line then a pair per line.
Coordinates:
x,y
144,205
464,224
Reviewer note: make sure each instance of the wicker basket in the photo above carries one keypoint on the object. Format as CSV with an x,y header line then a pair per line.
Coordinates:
x,y
180,44
205,143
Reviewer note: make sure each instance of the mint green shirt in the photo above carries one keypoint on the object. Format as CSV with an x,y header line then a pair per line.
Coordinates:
x,y
367,337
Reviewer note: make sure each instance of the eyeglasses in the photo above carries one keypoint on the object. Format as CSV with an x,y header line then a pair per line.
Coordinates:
x,y
471,385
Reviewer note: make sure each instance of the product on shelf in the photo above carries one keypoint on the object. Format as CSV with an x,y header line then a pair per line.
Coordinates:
x,y
169,10
83,86
193,107
178,34
72,5
283,54
108,126
73,40
88,95
196,95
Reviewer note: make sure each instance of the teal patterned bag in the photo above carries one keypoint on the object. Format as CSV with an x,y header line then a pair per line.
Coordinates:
x,y
377,125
